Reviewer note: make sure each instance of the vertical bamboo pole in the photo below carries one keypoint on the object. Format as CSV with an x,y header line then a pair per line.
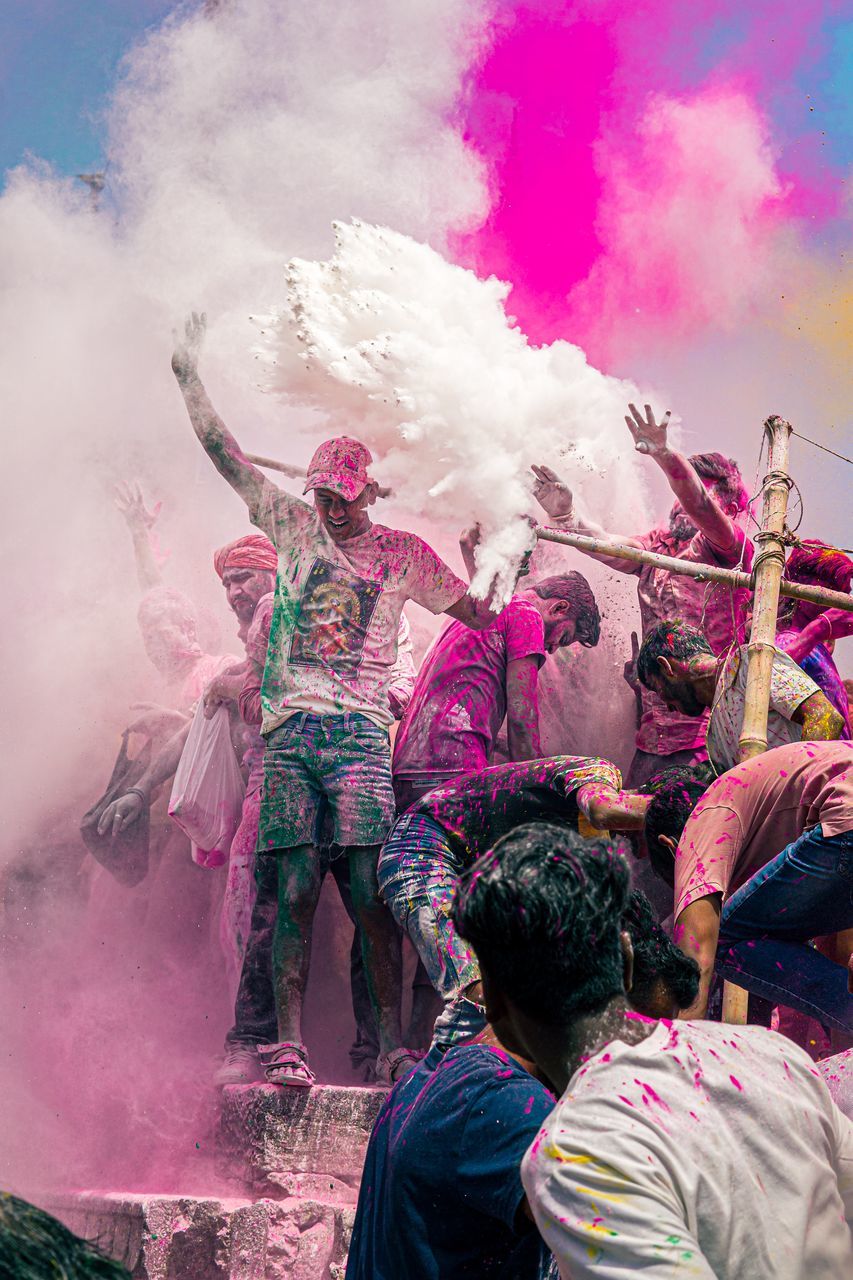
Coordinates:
x,y
769,565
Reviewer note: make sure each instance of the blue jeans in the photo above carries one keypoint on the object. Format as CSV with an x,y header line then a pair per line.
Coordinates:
x,y
417,873
804,892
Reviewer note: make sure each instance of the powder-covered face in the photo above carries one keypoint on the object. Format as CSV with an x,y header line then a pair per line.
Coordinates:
x,y
170,637
343,520
678,694
244,588
682,528
559,633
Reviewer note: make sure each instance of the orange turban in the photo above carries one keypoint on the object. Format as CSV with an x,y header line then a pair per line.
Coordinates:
x,y
255,551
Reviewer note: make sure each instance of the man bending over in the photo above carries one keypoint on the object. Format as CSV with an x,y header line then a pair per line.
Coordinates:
x,y
761,862
677,663
444,832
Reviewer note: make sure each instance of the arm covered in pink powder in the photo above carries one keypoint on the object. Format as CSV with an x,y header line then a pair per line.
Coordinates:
x,y
612,810
698,502
522,708
556,499
831,625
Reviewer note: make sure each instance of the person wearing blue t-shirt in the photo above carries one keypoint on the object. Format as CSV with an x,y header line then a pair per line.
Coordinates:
x,y
441,1194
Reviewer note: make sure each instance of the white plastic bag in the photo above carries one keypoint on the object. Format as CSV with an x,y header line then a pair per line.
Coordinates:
x,y
207,794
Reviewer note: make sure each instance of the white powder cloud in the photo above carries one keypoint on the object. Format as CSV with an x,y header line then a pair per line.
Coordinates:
x,y
417,356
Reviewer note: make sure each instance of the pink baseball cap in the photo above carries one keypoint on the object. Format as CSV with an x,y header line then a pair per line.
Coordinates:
x,y
340,465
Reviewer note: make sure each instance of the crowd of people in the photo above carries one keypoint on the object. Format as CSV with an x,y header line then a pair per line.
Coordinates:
x,y
564,1099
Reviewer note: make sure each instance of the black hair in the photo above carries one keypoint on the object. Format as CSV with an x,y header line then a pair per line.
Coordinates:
x,y
657,958
725,475
675,794
573,586
35,1246
668,640
543,911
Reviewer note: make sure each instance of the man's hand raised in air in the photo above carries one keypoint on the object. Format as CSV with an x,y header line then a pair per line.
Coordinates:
x,y
217,441
552,493
188,348
649,436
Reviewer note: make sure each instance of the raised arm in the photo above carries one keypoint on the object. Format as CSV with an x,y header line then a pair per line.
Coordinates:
x,y
555,498
218,442
140,521
699,503
831,625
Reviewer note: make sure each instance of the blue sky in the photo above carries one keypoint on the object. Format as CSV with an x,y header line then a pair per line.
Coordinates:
x,y
58,61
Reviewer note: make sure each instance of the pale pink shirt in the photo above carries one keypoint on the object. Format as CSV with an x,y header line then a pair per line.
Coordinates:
x,y
750,814
717,610
336,618
459,702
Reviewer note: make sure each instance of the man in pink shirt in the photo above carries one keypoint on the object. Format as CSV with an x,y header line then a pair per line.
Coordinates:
x,y
470,681
761,862
703,528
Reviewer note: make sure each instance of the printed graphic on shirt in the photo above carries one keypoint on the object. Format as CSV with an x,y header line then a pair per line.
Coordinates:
x,y
333,618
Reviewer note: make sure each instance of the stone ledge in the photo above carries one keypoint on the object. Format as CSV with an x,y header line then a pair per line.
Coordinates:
x,y
193,1238
270,1136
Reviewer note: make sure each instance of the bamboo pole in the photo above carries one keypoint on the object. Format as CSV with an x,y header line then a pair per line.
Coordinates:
x,y
768,570
769,566
690,569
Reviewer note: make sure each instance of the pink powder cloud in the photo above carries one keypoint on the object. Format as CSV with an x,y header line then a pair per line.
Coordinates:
x,y
690,207
633,141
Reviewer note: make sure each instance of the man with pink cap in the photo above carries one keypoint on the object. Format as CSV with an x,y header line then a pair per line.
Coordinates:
x,y
341,587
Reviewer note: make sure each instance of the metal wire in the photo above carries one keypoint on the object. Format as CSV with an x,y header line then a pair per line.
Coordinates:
x,y
821,446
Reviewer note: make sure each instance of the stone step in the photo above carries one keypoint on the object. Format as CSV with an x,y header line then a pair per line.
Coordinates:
x,y
172,1237
291,1161
268,1134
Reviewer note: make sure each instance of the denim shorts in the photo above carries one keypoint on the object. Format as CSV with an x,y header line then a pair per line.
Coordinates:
x,y
316,764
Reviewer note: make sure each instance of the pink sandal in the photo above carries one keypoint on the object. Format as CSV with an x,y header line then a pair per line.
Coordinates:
x,y
391,1067
286,1063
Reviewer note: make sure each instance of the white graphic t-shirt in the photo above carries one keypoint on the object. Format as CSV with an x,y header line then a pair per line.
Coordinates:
x,y
333,639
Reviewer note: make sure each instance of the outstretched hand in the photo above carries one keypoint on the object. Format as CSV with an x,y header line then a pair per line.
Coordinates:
x,y
187,348
131,504
649,435
552,493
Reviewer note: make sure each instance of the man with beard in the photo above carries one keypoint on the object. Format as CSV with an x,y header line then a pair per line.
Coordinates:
x,y
702,529
247,571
